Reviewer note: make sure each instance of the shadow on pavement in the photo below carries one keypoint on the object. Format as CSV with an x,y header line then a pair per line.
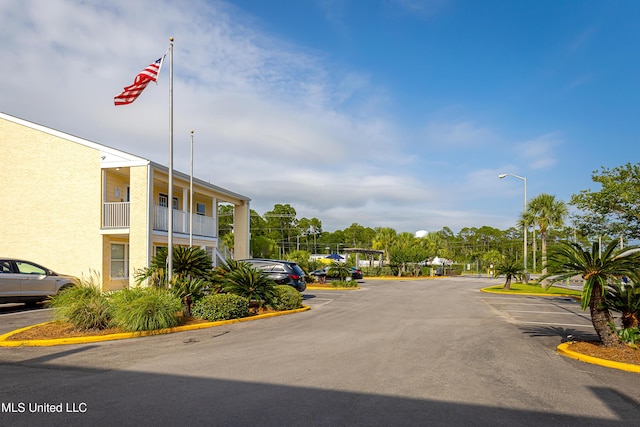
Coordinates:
x,y
136,398
565,334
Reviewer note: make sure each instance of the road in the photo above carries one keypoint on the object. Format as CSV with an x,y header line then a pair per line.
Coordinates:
x,y
426,352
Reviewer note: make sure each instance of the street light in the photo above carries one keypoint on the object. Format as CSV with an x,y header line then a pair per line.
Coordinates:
x,y
524,179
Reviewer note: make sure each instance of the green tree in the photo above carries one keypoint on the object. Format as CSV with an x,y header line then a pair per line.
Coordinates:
x,y
280,224
263,247
340,270
192,269
354,235
384,238
301,258
315,229
406,249
613,210
247,281
225,219
546,212
304,228
511,268
568,259
625,299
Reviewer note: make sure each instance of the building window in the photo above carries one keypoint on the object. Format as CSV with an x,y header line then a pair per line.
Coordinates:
x,y
163,200
119,261
201,209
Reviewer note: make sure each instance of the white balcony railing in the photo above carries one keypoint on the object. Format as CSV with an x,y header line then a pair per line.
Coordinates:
x,y
202,225
115,215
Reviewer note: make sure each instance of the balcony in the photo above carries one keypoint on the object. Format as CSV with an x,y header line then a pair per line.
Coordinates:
x,y
116,216
202,225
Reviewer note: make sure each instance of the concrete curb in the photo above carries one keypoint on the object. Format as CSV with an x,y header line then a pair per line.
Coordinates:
x,y
563,349
530,294
400,278
331,288
126,335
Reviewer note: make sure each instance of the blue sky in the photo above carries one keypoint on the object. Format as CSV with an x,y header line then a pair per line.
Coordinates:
x,y
397,113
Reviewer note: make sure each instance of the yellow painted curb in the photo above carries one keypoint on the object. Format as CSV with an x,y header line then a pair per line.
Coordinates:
x,y
332,288
402,278
531,294
125,335
564,350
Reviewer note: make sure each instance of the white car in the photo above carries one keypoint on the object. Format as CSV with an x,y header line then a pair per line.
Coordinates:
x,y
27,282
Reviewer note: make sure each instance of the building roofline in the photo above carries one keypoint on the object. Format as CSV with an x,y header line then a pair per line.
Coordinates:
x,y
201,182
112,157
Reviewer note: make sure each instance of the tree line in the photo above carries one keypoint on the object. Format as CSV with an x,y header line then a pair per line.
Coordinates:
x,y
610,213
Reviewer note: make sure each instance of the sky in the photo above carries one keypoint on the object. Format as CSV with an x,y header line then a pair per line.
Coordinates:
x,y
385,113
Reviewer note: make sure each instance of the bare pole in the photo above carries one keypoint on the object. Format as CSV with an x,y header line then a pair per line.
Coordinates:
x,y
191,197
170,207
524,180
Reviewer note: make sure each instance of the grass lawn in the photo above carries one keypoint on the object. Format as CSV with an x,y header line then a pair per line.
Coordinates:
x,y
521,288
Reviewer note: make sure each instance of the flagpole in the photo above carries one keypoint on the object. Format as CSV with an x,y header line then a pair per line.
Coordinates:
x,y
191,197
170,207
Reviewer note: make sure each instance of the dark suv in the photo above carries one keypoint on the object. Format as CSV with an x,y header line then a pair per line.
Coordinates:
x,y
281,272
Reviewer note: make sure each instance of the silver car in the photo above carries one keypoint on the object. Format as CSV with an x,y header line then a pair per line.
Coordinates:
x,y
24,281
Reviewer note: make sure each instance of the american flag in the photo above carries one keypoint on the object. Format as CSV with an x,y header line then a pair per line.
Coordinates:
x,y
131,93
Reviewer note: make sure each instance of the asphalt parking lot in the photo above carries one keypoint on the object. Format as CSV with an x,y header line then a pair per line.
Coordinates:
x,y
427,352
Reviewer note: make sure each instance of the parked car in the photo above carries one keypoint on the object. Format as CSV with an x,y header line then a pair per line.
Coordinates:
x,y
356,274
28,282
281,272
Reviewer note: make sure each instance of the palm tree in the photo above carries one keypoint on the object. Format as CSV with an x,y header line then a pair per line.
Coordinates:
x,y
598,270
192,268
384,238
625,299
545,211
511,269
342,271
245,280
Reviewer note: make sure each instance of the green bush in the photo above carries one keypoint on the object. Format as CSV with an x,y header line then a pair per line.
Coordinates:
x,y
286,298
83,305
630,336
145,309
344,283
251,283
221,307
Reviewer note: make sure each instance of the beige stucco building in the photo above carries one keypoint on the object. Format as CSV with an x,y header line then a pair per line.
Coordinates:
x,y
79,207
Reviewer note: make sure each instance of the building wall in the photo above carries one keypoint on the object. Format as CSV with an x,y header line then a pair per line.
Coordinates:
x,y
140,227
50,202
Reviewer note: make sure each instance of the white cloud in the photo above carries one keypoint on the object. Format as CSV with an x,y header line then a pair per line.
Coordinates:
x,y
270,120
448,134
538,153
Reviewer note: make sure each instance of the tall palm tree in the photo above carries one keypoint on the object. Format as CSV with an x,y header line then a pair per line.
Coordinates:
x,y
545,211
384,238
598,270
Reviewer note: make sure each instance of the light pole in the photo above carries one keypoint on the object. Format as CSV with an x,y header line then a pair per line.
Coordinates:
x,y
524,179
191,197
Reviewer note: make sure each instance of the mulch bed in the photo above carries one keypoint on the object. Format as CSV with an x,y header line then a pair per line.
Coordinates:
x,y
624,354
60,329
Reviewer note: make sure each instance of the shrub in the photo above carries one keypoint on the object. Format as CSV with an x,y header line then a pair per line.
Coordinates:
x,y
286,298
630,336
251,283
344,284
339,270
221,307
83,305
145,309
